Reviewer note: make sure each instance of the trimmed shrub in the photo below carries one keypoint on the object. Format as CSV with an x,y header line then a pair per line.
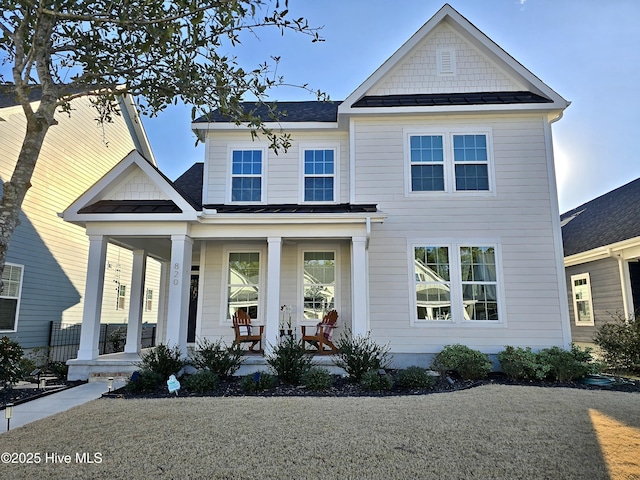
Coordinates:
x,y
468,363
522,364
257,382
359,355
202,381
217,357
59,369
317,379
10,362
144,381
163,360
289,361
567,365
620,342
373,381
415,377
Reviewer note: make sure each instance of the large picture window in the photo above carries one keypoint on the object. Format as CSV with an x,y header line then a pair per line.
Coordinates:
x,y
243,283
10,296
319,283
456,283
448,162
246,175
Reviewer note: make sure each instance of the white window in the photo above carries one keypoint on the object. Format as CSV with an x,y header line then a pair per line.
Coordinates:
x,y
247,180
243,284
582,303
122,295
318,283
456,282
319,170
453,161
10,297
148,306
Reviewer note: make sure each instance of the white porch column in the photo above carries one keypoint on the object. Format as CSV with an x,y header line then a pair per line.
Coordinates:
x,y
136,302
359,286
274,255
179,282
90,332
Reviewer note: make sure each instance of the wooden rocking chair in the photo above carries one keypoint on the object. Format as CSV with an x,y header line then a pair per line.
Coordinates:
x,y
245,332
322,335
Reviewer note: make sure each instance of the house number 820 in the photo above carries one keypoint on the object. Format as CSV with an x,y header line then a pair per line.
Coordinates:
x,y
176,273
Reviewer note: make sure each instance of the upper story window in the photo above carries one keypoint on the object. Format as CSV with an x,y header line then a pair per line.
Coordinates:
x,y
319,171
10,296
247,175
448,162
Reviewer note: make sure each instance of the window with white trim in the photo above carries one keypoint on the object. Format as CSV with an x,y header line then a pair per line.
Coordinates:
x,y
247,175
582,302
319,169
148,306
318,283
122,296
10,296
456,282
243,283
454,161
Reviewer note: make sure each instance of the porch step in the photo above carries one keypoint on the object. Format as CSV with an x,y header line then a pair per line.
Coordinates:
x,y
104,376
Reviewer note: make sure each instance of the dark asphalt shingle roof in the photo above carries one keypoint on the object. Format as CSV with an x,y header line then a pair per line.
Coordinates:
x,y
8,98
310,111
437,99
610,218
189,185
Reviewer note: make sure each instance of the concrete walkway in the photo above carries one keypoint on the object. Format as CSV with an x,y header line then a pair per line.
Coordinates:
x,y
55,403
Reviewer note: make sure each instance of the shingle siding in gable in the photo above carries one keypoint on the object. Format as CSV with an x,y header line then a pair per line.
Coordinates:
x,y
418,73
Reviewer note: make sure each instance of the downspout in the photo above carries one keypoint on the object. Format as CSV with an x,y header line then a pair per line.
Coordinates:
x,y
623,283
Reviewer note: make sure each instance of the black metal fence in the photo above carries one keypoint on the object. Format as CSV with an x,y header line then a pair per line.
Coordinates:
x,y
64,339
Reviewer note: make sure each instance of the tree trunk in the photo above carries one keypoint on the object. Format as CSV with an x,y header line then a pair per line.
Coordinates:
x,y
14,190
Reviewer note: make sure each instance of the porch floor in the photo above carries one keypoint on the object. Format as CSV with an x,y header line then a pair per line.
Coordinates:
x,y
121,365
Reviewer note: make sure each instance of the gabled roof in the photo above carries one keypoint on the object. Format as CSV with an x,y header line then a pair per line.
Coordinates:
x,y
608,219
157,199
542,96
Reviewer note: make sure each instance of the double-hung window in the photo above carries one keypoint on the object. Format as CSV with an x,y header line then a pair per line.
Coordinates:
x,y
10,296
448,161
243,283
247,175
319,174
456,282
319,283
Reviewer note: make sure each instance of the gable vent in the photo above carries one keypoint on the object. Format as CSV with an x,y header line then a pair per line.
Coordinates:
x,y
446,61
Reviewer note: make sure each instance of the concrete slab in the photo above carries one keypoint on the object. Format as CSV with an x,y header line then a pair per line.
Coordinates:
x,y
55,403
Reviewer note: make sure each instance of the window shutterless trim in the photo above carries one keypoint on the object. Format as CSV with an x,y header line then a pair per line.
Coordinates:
x,y
17,297
311,146
587,278
244,147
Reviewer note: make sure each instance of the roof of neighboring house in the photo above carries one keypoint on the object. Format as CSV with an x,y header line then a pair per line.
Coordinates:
x,y
307,111
8,97
610,218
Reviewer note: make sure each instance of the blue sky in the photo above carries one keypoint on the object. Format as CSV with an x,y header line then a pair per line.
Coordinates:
x,y
586,50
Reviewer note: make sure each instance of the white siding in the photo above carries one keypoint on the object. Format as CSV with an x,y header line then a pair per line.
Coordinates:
x,y
283,169
418,72
518,216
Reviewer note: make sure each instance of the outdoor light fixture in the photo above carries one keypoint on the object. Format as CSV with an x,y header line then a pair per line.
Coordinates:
x,y
43,383
110,384
8,411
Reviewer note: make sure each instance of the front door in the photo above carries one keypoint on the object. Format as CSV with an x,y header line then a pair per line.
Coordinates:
x,y
193,309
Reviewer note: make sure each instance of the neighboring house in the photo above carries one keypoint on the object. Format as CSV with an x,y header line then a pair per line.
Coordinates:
x,y
45,275
423,208
602,259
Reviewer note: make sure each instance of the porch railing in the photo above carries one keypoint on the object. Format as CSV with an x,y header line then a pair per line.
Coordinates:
x,y
64,339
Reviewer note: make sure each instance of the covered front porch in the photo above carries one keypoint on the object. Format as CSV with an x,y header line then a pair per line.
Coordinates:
x,y
205,279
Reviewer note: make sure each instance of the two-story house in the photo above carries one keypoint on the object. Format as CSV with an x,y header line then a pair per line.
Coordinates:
x,y
45,274
423,208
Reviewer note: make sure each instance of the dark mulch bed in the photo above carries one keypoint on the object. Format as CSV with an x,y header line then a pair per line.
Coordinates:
x,y
25,394
343,388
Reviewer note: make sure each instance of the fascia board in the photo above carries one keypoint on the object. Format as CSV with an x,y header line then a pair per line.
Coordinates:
x,y
279,219
601,252
131,217
136,127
